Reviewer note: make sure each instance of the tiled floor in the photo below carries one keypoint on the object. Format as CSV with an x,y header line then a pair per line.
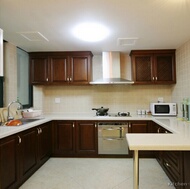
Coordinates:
x,y
93,173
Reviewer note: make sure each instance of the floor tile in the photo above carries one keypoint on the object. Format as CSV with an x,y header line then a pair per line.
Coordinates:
x,y
97,173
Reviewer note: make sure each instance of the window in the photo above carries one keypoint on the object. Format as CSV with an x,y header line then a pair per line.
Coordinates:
x,y
24,89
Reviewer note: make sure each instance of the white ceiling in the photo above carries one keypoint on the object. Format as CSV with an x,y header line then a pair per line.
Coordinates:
x,y
158,24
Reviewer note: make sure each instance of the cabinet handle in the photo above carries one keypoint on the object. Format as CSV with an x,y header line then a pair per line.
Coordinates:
x,y
73,124
129,125
96,125
156,78
167,164
19,139
153,78
40,130
70,79
46,79
158,130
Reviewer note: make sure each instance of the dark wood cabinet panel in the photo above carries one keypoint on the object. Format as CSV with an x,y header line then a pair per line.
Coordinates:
x,y
9,162
186,170
28,161
59,69
81,69
153,66
75,138
155,128
44,142
172,163
64,68
142,68
87,139
22,154
39,70
64,138
138,126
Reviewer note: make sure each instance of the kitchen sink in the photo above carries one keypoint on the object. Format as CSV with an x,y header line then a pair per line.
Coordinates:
x,y
26,120
22,121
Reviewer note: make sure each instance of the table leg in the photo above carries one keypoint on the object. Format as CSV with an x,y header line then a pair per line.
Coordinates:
x,y
135,170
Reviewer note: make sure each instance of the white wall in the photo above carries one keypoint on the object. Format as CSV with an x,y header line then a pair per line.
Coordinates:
x,y
1,52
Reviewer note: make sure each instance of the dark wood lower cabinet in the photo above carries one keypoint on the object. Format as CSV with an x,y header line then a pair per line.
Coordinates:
x,y
186,170
172,163
28,153
75,138
22,154
63,138
9,162
86,138
44,142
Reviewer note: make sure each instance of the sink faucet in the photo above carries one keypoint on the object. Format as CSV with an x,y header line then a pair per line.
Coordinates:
x,y
8,111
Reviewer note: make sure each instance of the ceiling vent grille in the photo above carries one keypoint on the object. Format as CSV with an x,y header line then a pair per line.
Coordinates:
x,y
126,41
33,36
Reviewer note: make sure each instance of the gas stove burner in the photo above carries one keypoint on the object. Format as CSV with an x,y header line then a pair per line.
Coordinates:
x,y
124,114
101,114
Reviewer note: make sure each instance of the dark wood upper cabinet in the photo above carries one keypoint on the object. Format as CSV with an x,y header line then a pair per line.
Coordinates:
x,y
153,66
61,68
39,69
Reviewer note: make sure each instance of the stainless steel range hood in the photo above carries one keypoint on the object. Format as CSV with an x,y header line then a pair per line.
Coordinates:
x,y
111,70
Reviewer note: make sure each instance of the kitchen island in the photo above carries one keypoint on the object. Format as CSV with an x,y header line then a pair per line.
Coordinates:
x,y
179,140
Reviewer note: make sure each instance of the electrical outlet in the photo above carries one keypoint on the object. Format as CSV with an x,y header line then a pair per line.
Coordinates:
x,y
57,100
160,99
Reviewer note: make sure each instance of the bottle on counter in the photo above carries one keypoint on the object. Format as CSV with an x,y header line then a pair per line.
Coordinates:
x,y
188,109
183,108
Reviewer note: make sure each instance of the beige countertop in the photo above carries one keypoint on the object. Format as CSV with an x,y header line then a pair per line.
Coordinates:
x,y
179,140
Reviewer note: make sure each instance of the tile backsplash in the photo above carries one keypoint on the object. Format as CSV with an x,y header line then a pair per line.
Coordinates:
x,y
81,99
182,88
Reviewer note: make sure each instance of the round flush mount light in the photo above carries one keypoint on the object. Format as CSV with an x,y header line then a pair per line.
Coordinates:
x,y
90,32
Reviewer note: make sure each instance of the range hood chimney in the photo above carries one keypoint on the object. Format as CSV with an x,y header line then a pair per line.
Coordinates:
x,y
111,70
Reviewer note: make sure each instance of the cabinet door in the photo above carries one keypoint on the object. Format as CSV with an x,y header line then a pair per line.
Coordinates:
x,y
9,159
28,161
165,68
64,138
153,66
59,69
142,68
44,142
138,127
80,69
186,168
86,138
39,70
173,166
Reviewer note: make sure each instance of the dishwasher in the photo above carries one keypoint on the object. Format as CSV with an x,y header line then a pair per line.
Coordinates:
x,y
112,138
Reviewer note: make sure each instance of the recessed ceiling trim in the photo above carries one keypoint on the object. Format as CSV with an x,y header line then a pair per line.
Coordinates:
x,y
127,41
33,36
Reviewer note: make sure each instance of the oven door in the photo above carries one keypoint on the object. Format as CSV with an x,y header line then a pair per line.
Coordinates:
x,y
112,139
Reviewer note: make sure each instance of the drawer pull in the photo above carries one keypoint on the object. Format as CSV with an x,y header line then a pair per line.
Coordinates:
x,y
19,139
167,164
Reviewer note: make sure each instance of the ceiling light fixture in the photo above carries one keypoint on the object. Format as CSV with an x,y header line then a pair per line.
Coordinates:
x,y
90,32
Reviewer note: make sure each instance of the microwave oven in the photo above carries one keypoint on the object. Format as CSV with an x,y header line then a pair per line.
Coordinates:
x,y
163,109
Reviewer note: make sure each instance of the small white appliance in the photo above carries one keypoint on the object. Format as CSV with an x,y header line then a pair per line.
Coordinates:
x,y
163,109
